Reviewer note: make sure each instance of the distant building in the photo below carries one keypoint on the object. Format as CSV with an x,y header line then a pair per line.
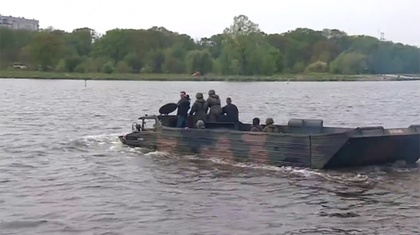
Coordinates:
x,y
19,23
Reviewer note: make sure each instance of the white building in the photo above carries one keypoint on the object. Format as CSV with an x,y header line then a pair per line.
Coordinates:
x,y
19,23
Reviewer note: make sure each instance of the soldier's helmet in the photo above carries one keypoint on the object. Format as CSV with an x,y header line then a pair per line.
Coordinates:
x,y
269,121
212,92
199,95
200,124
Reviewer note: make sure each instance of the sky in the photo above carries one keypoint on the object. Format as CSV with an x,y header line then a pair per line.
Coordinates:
x,y
399,20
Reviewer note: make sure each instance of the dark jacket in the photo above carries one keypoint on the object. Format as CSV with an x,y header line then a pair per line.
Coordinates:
x,y
213,103
199,110
183,107
232,113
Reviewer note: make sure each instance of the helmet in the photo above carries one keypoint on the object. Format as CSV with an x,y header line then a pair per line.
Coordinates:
x,y
200,124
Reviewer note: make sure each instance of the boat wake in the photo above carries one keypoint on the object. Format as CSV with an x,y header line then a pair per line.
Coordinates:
x,y
363,178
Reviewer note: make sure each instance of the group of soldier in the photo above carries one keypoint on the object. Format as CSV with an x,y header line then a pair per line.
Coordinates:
x,y
210,110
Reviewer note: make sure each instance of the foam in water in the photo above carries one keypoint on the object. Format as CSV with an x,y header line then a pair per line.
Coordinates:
x,y
287,169
117,146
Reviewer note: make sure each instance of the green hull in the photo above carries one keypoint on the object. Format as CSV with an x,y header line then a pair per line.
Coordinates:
x,y
303,143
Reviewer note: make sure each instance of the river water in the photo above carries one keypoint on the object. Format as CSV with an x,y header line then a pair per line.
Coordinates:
x,y
63,170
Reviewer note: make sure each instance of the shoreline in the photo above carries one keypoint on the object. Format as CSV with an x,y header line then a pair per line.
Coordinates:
x,y
314,77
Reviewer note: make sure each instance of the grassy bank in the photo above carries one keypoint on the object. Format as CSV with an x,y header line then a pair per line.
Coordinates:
x,y
185,77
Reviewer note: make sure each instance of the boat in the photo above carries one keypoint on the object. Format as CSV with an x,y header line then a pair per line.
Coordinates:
x,y
301,142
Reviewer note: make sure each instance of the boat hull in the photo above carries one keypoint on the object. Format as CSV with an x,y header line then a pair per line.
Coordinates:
x,y
337,149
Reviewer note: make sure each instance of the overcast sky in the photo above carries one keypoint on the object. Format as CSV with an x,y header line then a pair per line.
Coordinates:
x,y
399,20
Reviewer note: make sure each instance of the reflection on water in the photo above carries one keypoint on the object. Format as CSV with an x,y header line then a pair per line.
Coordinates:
x,y
63,170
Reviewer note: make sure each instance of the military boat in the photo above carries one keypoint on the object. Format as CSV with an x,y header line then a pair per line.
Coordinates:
x,y
302,142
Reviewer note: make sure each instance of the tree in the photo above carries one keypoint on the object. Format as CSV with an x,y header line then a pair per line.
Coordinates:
x,y
245,49
240,38
82,40
46,49
11,43
349,63
199,61
241,49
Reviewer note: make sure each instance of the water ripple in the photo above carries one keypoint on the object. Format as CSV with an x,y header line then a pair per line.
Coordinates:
x,y
63,170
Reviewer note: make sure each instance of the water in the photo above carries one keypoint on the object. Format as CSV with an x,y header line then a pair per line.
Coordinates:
x,y
63,171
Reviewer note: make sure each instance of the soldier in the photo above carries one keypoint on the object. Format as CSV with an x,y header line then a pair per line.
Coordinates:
x,y
199,108
256,125
182,112
270,126
213,103
231,111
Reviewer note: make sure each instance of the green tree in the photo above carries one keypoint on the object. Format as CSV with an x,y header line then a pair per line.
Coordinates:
x,y
349,63
47,48
11,43
240,40
242,49
108,67
82,40
199,61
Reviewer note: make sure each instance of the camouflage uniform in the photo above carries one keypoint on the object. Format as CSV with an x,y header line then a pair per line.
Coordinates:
x,y
199,108
213,103
270,126
231,111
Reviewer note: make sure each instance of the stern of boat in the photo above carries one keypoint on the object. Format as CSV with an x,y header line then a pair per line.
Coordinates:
x,y
134,139
144,133
122,139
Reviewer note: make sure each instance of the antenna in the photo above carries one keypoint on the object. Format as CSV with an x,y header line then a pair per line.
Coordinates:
x,y
382,36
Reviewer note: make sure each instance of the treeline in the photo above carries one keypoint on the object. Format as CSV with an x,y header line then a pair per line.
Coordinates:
x,y
242,49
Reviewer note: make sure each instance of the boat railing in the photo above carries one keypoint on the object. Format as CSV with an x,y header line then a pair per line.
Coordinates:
x,y
371,130
415,127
